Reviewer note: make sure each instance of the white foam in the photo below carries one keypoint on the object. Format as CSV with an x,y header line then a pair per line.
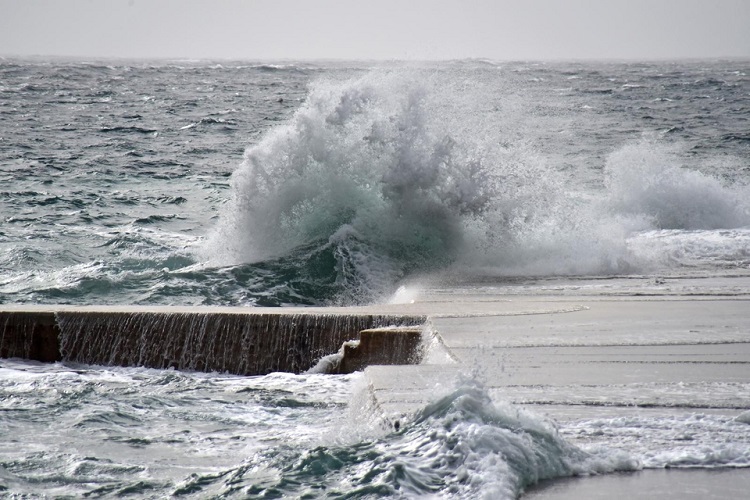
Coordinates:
x,y
690,440
405,295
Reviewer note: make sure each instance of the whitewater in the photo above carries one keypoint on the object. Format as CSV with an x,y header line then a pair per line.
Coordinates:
x,y
350,183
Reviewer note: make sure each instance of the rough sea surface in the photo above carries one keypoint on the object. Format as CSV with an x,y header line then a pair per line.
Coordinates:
x,y
126,183
199,183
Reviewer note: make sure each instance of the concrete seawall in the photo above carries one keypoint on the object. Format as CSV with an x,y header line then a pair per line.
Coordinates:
x,y
232,340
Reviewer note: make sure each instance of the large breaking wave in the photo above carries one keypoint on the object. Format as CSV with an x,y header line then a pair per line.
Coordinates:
x,y
367,180
395,174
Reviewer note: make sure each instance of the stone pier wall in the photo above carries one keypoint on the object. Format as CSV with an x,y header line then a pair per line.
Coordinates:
x,y
242,342
29,335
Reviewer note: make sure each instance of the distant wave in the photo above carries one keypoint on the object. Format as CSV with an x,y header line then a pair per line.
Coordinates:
x,y
126,130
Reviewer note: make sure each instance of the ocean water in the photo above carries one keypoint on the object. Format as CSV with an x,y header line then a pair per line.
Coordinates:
x,y
198,183
239,184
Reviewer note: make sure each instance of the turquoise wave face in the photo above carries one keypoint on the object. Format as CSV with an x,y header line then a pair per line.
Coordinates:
x,y
461,446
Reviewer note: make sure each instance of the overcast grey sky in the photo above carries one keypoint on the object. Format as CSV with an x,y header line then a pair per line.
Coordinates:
x,y
377,29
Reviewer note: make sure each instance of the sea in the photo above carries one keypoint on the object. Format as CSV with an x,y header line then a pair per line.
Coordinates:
x,y
334,183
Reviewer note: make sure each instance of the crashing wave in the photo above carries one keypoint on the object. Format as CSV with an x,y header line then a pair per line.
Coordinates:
x,y
395,174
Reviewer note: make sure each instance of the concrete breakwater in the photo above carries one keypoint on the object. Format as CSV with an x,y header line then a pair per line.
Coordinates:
x,y
231,340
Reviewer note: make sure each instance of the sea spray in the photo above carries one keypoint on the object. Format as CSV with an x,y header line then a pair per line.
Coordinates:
x,y
371,177
648,179
677,217
397,173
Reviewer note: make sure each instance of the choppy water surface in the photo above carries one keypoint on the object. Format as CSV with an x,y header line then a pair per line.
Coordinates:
x,y
97,431
94,431
239,184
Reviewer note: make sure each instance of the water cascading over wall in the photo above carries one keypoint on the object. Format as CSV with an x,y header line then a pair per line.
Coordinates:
x,y
238,343
29,335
